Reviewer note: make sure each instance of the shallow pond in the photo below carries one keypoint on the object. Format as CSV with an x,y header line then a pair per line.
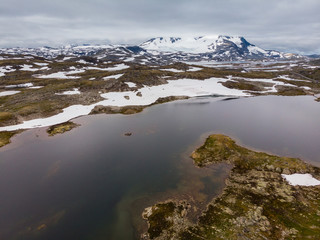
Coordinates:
x,y
94,182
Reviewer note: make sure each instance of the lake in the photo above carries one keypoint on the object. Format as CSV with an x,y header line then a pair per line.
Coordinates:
x,y
94,182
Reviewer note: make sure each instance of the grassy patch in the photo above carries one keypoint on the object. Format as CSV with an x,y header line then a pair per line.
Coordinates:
x,y
242,85
289,91
5,116
6,136
61,128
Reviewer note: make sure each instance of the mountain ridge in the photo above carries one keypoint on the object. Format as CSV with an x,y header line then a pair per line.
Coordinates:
x,y
217,48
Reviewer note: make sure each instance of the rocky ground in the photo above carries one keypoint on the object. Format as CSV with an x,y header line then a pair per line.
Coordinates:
x,y
257,202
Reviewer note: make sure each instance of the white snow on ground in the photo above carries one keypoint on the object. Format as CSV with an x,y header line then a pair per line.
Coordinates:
x,y
62,75
66,58
271,70
67,114
97,68
26,67
36,87
58,75
129,59
298,179
118,67
182,87
306,87
23,85
73,92
41,64
271,89
286,77
113,76
7,93
211,64
194,69
6,69
131,84
82,61
172,70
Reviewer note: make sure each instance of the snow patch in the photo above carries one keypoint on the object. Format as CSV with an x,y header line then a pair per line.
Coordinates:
x,y
6,69
182,87
118,67
7,93
131,84
194,69
41,64
256,50
36,87
82,61
26,67
62,75
129,59
116,76
298,179
66,58
73,92
23,85
172,70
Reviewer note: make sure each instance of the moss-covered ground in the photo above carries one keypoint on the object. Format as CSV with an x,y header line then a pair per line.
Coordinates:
x,y
257,203
6,136
61,128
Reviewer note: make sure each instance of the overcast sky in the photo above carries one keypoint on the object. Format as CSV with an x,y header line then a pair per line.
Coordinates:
x,y
286,25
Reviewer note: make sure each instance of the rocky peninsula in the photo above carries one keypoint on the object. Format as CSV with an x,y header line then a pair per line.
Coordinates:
x,y
266,197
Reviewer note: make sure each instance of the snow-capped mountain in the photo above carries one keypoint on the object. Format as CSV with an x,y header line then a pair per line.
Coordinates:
x,y
163,50
192,45
218,48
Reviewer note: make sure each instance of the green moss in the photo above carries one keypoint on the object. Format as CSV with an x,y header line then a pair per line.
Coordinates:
x,y
61,128
6,136
220,148
257,202
158,220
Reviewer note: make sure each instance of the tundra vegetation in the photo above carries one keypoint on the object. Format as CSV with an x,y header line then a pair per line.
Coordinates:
x,y
257,202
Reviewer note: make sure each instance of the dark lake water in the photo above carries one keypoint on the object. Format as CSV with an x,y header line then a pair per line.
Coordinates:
x,y
94,182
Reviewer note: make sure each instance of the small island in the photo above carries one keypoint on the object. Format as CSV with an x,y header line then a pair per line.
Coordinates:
x,y
61,128
266,197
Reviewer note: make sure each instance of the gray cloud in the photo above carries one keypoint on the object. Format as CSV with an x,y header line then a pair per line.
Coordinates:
x,y
287,25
